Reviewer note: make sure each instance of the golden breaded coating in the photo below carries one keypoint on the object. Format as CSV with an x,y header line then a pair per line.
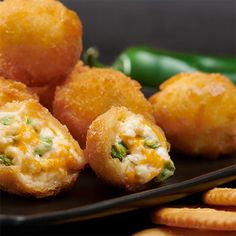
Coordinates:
x,y
41,40
88,94
197,112
38,156
14,91
127,150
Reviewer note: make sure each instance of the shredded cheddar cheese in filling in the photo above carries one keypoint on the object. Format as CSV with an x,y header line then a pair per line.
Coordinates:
x,y
33,144
145,150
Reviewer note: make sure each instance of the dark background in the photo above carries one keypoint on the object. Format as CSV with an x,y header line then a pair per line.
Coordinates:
x,y
200,26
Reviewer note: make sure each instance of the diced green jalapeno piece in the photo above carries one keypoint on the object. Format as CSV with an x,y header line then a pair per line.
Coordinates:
x,y
5,120
47,140
5,160
44,146
31,122
168,171
151,144
119,150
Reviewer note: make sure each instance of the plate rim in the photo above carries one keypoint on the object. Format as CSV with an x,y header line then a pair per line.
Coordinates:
x,y
89,211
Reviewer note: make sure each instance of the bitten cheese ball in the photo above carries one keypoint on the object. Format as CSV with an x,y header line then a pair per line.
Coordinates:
x,y
85,96
127,150
197,112
41,40
38,156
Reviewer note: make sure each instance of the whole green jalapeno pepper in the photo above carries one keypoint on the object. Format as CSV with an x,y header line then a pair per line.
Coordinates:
x,y
151,66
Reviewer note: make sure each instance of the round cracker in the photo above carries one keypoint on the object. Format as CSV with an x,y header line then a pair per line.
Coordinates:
x,y
173,231
199,218
220,197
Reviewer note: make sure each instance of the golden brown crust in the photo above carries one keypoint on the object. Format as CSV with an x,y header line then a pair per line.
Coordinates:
x,y
14,91
173,231
192,108
11,181
62,168
41,40
220,196
100,137
200,218
89,94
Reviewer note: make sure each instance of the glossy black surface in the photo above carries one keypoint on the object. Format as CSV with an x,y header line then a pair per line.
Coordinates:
x,y
125,224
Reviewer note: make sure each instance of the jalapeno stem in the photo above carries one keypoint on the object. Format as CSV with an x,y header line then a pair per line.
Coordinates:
x,y
90,57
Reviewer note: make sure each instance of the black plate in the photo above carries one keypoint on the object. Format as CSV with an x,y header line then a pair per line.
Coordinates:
x,y
91,198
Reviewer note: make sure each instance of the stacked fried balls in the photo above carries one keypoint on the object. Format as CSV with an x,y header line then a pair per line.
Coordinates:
x,y
58,115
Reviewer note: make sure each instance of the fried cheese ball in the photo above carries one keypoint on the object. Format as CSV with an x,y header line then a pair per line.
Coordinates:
x,y
14,91
197,113
87,95
38,156
127,150
41,40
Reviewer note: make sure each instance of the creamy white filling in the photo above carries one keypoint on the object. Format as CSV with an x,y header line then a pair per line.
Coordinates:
x,y
129,126
161,151
5,140
134,158
135,126
16,153
12,132
46,132
146,172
